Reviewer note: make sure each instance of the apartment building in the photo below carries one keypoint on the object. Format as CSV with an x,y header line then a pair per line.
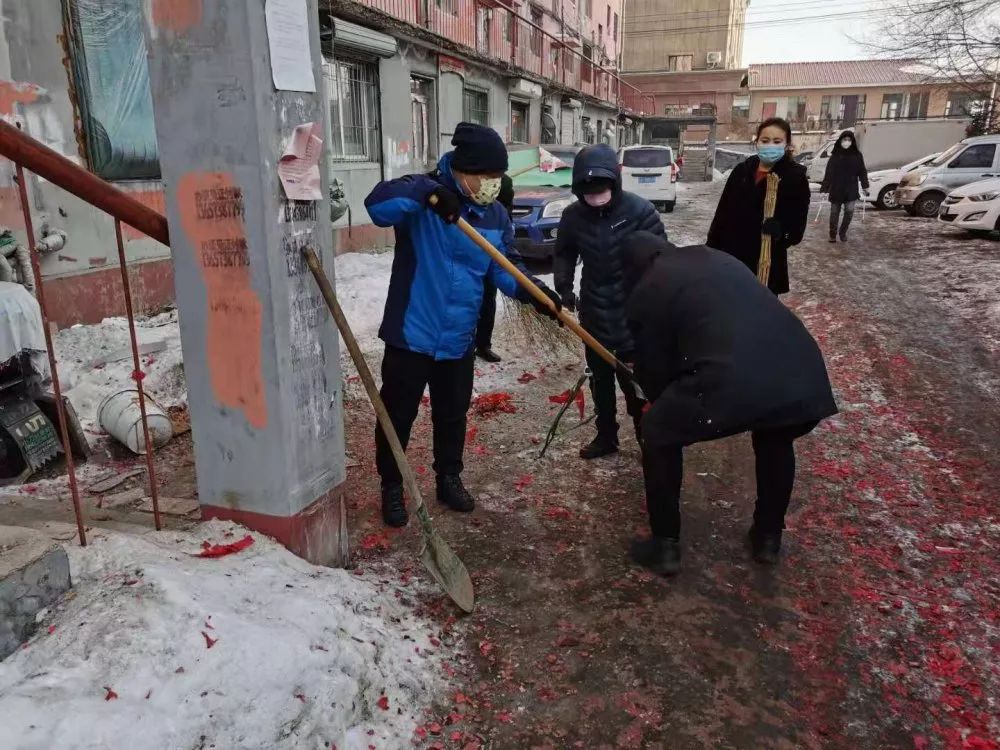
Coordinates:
x,y
399,76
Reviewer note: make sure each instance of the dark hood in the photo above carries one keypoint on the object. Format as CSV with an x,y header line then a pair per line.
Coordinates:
x,y
639,251
596,161
838,149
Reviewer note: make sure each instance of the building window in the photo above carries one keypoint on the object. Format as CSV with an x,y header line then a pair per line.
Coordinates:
x,y
741,108
589,8
447,6
352,86
112,83
588,129
586,67
892,106
825,109
965,104
680,63
421,120
536,34
615,34
608,21
519,122
918,105
476,107
862,103
797,109
508,26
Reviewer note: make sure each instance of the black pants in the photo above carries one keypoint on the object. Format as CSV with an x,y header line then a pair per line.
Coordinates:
x,y
663,468
602,390
487,317
835,217
405,374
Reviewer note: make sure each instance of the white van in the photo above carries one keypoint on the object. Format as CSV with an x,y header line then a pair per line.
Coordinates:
x,y
650,171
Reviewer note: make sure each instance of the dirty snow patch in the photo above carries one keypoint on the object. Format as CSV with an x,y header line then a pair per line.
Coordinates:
x,y
300,656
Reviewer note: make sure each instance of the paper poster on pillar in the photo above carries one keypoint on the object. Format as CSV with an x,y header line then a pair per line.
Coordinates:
x,y
298,167
288,42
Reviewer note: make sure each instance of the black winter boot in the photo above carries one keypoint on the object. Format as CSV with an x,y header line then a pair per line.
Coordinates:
x,y
393,507
487,354
451,492
765,545
661,554
602,445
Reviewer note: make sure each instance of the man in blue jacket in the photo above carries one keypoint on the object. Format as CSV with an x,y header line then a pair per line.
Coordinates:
x,y
435,293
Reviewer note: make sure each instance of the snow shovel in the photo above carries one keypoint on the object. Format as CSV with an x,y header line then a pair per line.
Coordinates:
x,y
564,317
439,559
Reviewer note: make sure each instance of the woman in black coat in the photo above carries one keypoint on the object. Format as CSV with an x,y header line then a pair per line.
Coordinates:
x,y
739,218
716,354
844,171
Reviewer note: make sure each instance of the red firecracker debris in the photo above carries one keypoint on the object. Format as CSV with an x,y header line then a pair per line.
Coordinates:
x,y
505,717
300,697
383,703
434,728
485,648
221,550
209,640
579,400
471,433
110,695
492,403
526,377
524,481
558,513
52,629
377,540
461,698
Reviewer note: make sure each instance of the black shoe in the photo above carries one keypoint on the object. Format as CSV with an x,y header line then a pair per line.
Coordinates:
x,y
661,554
843,237
766,546
393,507
487,354
451,492
602,445
833,238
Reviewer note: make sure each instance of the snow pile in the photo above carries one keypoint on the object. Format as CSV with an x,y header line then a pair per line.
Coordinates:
x,y
362,282
86,379
158,648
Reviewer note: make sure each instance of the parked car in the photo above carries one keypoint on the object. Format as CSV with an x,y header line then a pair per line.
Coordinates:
x,y
974,207
650,172
883,182
804,158
539,201
922,191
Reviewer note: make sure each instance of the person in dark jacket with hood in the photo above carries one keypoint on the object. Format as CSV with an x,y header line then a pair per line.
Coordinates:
x,y
594,229
717,354
739,218
435,293
488,311
845,170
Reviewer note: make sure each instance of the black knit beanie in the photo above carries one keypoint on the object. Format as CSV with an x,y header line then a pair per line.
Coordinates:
x,y
478,149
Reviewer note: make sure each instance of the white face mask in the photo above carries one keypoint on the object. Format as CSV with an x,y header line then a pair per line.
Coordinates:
x,y
846,142
598,199
489,189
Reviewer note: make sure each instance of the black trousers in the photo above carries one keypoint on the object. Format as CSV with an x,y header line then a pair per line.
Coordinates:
x,y
405,374
663,468
602,390
835,217
487,316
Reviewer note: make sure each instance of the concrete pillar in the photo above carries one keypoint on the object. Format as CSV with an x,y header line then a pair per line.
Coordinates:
x,y
261,354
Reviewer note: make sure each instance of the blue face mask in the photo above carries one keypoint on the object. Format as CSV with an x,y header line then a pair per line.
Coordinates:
x,y
771,153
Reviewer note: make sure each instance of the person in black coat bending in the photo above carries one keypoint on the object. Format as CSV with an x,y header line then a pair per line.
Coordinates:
x,y
739,218
844,171
717,354
488,310
594,229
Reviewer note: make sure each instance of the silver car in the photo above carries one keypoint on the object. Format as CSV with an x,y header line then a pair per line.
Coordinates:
x,y
922,191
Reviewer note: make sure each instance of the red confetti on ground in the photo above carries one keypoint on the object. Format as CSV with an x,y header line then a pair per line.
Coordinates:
x,y
461,698
300,697
383,703
523,482
52,629
425,400
376,540
110,695
526,377
505,717
485,648
221,550
579,400
558,513
209,640
434,728
208,623
493,403
471,433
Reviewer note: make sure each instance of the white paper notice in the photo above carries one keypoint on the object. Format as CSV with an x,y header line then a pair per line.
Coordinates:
x,y
298,167
288,39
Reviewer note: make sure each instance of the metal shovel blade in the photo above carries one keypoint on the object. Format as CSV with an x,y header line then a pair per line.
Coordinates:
x,y
445,566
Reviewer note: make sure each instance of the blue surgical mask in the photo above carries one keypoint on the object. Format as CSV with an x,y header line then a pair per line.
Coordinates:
x,y
771,153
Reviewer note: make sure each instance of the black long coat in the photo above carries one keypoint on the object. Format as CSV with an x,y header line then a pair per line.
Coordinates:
x,y
738,218
716,352
844,171
596,235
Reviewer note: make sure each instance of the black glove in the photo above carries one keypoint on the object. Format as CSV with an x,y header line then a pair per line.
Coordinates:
x,y
543,309
772,227
448,205
569,301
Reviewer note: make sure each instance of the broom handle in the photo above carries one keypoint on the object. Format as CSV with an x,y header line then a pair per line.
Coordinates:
x,y
326,289
568,320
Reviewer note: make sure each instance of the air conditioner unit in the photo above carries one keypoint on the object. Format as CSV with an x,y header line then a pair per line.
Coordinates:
x,y
714,59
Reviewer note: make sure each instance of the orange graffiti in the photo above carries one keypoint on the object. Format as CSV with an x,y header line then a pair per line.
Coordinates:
x,y
176,15
15,92
211,208
154,199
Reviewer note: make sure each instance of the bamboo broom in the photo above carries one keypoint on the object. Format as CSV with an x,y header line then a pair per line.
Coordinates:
x,y
770,204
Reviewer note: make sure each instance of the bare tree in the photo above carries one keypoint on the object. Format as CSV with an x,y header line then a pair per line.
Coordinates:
x,y
956,43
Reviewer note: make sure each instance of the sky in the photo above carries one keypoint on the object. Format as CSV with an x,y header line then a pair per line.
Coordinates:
x,y
775,32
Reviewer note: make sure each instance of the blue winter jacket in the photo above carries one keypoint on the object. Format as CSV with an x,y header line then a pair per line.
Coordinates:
x,y
436,287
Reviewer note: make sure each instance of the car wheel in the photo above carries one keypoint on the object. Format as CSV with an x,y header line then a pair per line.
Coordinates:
x,y
887,199
927,205
668,206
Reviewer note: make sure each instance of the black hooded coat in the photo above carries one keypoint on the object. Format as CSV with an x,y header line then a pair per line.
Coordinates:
x,y
596,235
715,351
844,171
